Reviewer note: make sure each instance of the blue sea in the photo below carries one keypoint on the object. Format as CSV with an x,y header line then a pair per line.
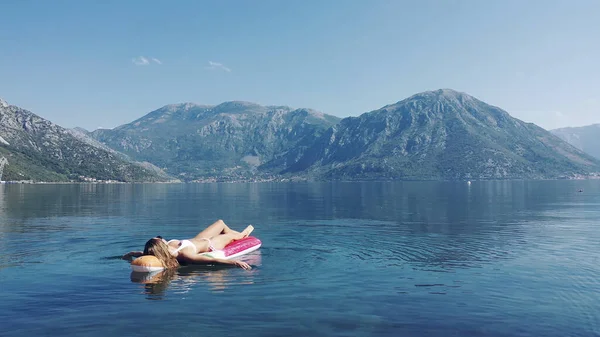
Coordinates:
x,y
495,258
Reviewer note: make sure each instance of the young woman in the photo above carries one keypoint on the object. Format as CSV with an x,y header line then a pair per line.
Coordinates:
x,y
172,253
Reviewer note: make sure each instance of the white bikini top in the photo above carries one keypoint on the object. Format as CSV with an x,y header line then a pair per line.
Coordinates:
x,y
183,244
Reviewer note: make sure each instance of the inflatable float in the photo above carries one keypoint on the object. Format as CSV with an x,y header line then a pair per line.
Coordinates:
x,y
149,263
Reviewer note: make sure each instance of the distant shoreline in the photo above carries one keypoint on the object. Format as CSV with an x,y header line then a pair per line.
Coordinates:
x,y
283,180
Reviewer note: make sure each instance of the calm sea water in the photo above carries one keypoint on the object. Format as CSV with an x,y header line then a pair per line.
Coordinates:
x,y
510,258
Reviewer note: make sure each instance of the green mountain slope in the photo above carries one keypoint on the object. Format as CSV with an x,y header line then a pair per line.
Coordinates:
x,y
440,134
229,140
39,150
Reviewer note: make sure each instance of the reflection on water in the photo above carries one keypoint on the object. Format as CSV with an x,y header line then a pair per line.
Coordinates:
x,y
498,258
186,278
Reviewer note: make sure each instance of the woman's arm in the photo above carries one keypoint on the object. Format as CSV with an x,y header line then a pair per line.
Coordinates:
x,y
195,258
131,255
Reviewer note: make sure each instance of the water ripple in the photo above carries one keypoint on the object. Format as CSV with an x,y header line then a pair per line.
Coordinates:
x,y
410,259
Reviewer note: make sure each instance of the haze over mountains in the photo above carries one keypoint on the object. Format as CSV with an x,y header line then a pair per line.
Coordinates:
x,y
585,138
441,134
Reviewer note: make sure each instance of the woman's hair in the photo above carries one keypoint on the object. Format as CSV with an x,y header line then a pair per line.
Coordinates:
x,y
158,248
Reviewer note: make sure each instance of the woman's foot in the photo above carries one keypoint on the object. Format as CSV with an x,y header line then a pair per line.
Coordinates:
x,y
246,232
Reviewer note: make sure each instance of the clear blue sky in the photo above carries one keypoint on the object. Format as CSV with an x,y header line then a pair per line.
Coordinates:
x,y
105,63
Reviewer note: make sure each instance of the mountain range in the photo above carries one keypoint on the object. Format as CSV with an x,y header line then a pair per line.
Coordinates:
x,y
433,135
231,140
585,138
39,150
442,134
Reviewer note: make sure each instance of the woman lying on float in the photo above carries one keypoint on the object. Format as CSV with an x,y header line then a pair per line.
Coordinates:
x,y
206,247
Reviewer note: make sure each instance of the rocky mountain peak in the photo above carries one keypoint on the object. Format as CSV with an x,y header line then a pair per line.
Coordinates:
x,y
3,103
238,105
440,102
449,93
187,106
443,95
80,129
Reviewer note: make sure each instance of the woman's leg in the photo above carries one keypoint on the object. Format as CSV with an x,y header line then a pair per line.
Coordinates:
x,y
219,227
222,240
